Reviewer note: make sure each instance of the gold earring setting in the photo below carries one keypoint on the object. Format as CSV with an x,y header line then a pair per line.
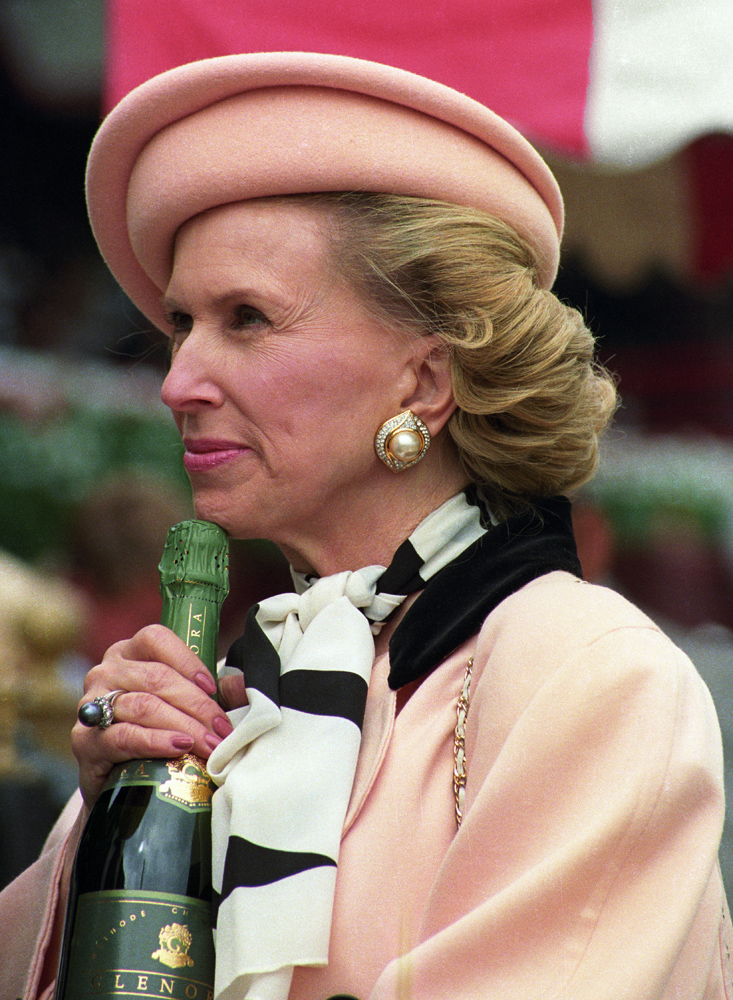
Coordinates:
x,y
402,441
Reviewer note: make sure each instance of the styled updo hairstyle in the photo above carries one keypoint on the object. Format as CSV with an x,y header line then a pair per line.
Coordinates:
x,y
532,402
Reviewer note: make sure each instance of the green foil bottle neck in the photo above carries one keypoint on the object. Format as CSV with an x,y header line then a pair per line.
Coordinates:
x,y
194,580
196,553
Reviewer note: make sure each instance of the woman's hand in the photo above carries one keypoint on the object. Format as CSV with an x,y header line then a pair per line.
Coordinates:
x,y
166,708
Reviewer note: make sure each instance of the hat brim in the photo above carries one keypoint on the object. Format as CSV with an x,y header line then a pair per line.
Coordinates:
x,y
266,124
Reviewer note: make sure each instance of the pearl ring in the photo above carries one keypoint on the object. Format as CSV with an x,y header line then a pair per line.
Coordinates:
x,y
100,712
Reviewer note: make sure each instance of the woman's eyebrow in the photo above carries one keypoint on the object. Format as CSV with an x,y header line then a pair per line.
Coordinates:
x,y
171,304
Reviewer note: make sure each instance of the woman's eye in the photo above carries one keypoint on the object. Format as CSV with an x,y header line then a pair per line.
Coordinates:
x,y
180,323
247,316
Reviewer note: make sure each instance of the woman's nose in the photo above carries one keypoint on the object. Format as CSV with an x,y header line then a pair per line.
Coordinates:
x,y
191,380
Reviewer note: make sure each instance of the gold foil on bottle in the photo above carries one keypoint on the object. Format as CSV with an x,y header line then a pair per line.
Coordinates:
x,y
189,782
174,940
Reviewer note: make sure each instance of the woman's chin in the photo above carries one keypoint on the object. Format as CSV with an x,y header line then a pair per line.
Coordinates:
x,y
206,509
236,526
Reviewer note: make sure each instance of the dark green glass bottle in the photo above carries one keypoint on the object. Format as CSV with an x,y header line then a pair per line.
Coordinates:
x,y
138,921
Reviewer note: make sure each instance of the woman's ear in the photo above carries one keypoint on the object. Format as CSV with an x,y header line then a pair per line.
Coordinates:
x,y
432,396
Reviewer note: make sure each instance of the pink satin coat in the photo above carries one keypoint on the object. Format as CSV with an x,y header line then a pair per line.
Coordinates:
x,y
586,865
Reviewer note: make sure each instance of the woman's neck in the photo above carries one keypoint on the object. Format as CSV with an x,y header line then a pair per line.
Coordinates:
x,y
370,536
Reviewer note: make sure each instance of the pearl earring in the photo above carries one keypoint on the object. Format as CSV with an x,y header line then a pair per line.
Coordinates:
x,y
402,441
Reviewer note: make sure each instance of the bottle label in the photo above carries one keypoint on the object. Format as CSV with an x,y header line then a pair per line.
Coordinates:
x,y
142,944
184,782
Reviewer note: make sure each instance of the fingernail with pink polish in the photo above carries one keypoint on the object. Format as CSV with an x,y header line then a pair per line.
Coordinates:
x,y
182,742
212,741
222,726
206,682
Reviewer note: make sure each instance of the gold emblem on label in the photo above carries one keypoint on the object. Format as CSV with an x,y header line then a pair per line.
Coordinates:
x,y
189,783
174,940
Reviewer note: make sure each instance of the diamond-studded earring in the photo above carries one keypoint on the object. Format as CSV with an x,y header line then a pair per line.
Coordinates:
x,y
402,441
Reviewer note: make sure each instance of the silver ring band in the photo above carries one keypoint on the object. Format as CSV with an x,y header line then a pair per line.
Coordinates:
x,y
100,712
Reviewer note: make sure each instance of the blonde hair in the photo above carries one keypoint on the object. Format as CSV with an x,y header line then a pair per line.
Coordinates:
x,y
532,402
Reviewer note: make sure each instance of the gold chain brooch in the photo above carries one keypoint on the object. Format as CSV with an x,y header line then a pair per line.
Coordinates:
x,y
459,745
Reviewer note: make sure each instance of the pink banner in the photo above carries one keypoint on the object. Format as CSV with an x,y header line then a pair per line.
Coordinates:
x,y
623,83
526,59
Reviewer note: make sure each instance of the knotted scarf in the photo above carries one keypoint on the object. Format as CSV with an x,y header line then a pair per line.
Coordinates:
x,y
286,772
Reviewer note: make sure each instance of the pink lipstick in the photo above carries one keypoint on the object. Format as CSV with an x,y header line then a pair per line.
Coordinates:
x,y
203,454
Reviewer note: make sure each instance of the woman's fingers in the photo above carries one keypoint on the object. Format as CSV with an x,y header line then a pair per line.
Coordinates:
x,y
147,657
166,707
231,691
157,663
203,722
143,727
97,751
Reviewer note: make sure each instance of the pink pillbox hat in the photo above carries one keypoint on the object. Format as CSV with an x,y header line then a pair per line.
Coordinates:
x,y
279,123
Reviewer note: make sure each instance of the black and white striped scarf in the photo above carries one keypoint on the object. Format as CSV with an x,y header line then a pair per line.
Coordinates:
x,y
287,770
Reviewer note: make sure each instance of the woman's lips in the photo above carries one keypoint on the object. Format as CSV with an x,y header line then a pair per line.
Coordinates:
x,y
200,456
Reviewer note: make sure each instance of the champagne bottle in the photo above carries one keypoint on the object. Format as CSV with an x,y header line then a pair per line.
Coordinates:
x,y
138,920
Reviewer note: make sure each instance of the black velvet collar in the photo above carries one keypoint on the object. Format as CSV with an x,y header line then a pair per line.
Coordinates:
x,y
454,603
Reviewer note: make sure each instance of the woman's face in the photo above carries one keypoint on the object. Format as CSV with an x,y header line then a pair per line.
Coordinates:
x,y
280,376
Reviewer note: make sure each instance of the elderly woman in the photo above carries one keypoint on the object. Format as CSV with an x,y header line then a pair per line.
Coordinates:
x,y
353,267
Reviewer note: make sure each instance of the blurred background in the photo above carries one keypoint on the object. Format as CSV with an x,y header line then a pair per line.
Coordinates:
x,y
630,101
